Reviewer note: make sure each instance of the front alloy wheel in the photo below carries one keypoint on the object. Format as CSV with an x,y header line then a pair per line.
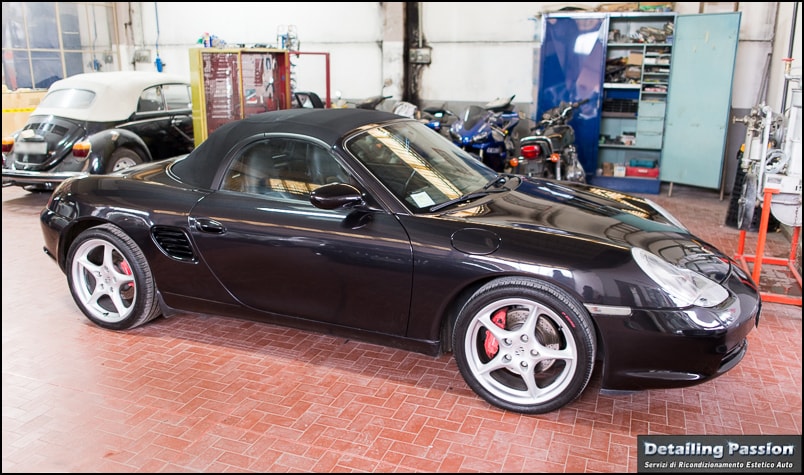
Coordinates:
x,y
524,346
110,279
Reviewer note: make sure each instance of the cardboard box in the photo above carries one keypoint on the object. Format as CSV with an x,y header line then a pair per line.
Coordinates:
x,y
633,72
17,107
618,7
634,59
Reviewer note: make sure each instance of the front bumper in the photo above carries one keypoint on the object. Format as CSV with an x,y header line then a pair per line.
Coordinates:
x,y
678,347
52,225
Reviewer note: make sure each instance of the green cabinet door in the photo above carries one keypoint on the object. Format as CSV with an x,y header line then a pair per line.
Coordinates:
x,y
699,98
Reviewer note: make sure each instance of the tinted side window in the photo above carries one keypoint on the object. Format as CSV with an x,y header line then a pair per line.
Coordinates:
x,y
177,96
283,168
165,97
151,100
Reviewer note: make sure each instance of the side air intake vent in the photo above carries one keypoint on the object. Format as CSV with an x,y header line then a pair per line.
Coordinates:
x,y
174,243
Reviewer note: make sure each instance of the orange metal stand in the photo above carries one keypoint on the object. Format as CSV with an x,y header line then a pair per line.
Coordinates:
x,y
759,259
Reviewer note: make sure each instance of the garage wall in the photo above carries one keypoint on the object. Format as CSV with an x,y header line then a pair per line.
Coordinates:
x,y
479,50
364,55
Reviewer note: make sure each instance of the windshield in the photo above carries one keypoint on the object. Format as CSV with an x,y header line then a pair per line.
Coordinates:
x,y
418,165
473,115
67,99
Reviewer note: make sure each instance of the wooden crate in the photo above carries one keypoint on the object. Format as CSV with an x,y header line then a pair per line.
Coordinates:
x,y
17,107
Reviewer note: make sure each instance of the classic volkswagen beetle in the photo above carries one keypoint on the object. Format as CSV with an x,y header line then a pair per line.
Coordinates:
x,y
97,123
366,224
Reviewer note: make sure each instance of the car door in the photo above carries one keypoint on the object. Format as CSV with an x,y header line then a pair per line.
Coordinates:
x,y
163,120
276,252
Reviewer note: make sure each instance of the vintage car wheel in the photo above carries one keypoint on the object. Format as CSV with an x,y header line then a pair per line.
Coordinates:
x,y
524,345
122,158
110,279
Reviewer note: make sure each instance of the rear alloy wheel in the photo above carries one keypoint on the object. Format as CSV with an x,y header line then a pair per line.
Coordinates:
x,y
110,280
524,345
121,159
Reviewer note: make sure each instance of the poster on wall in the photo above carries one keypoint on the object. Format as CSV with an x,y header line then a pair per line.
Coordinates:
x,y
221,89
258,83
263,82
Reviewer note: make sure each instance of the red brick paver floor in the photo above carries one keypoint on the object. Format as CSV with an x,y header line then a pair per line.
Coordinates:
x,y
208,394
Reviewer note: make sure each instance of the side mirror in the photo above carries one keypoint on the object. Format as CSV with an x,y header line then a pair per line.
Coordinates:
x,y
335,195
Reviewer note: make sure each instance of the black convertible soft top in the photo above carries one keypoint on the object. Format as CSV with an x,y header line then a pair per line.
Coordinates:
x,y
328,125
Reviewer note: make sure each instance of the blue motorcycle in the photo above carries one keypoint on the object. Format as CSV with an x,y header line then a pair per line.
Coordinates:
x,y
486,132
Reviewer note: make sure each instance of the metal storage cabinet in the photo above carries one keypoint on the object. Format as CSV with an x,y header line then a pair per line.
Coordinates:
x,y
650,124
638,63
699,99
675,114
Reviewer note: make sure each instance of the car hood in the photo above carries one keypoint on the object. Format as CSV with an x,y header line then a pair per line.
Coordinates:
x,y
594,215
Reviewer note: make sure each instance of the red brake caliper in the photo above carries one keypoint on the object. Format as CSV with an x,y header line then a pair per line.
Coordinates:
x,y
491,344
126,269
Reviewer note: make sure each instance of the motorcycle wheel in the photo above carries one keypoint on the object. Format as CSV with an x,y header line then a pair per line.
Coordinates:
x,y
747,202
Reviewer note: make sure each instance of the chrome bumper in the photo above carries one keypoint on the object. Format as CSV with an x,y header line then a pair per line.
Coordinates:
x,y
26,177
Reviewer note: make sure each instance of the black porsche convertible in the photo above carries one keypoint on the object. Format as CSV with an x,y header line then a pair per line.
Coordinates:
x,y
369,225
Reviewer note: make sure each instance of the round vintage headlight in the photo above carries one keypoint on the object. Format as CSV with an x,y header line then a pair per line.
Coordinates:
x,y
684,286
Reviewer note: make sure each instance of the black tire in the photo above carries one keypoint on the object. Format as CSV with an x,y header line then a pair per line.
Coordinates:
x,y
736,191
121,159
747,203
110,280
540,320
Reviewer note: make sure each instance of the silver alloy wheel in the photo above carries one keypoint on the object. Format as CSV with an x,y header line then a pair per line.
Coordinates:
x,y
121,159
537,356
123,163
103,281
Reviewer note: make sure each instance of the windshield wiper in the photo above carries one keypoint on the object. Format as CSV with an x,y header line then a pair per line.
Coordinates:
x,y
498,180
485,191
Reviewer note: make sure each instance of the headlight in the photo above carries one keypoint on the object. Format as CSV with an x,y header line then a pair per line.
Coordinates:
x,y
684,286
481,137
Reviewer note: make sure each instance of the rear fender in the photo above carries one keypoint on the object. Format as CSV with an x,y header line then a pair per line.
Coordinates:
x,y
105,142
